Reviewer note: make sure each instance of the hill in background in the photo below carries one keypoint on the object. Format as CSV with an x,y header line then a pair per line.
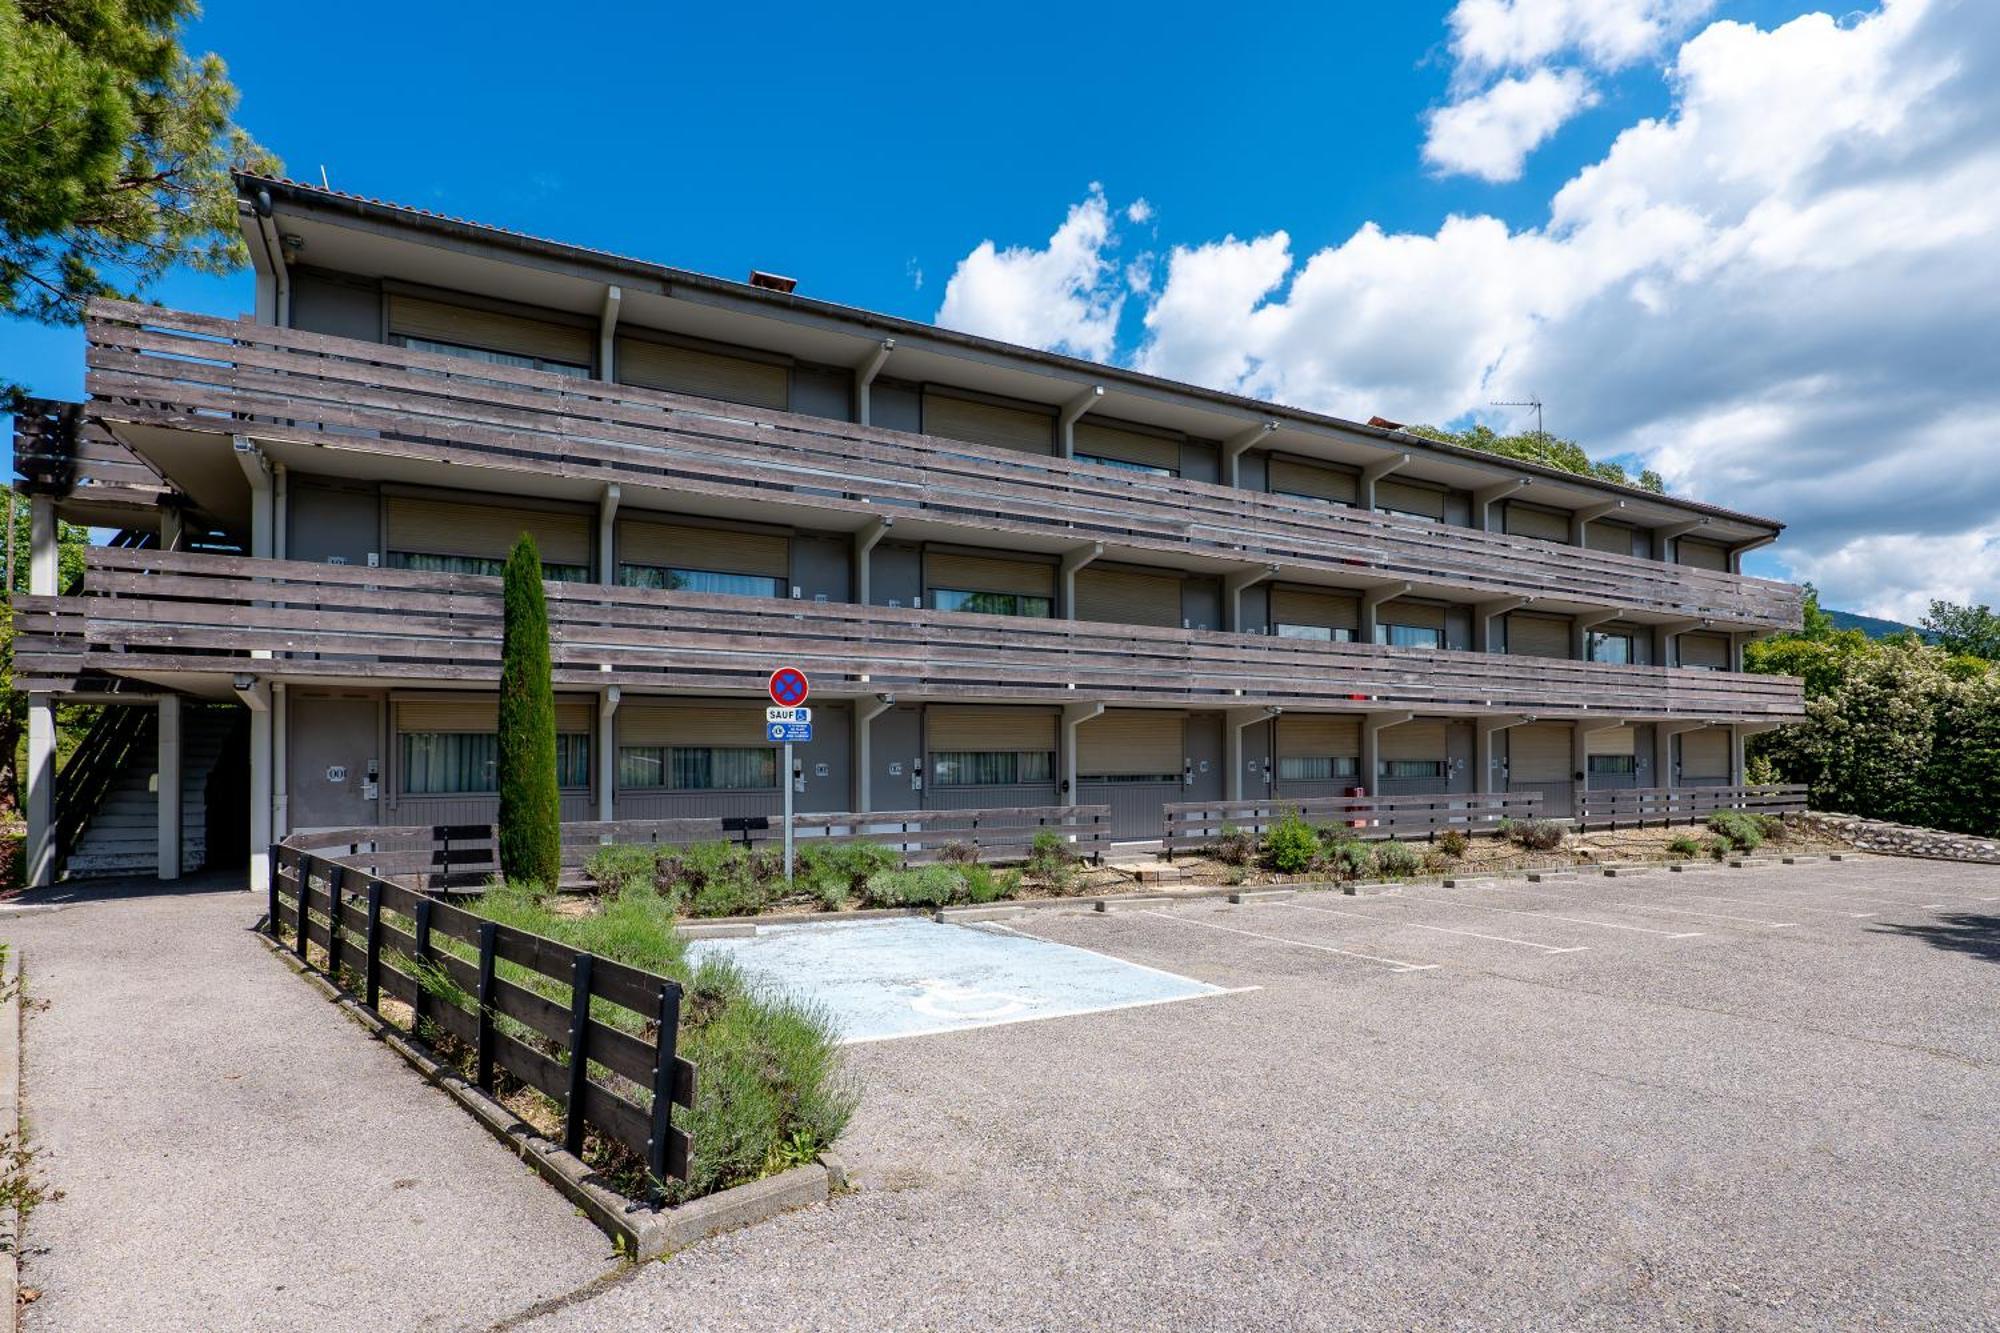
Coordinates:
x,y
1874,626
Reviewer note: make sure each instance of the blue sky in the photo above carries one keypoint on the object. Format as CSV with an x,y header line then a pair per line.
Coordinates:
x,y
870,151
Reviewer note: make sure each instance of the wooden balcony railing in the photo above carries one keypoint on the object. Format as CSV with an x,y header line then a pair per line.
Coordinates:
x,y
152,611
195,372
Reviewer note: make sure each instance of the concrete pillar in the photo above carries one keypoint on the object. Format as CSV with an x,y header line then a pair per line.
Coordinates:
x,y
1234,721
1372,727
42,547
1485,497
1665,756
41,776
260,800
1581,519
1737,734
607,752
1236,446
169,780
864,378
1073,716
1073,561
865,542
1483,638
1071,413
1233,587
1371,601
1483,732
607,533
865,713
607,332
1364,487
281,767
1580,628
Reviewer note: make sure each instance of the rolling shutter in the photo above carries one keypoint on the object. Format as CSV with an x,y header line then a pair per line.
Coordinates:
x,y
1410,499
980,573
1128,446
988,423
1613,537
1525,522
988,728
1704,650
1705,753
445,527
1701,555
413,317
1411,613
479,714
1296,606
1412,740
1618,740
1123,597
1539,753
675,546
1130,742
1302,734
1538,636
1304,479
657,724
689,370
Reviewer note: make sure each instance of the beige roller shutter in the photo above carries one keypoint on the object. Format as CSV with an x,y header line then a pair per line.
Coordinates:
x,y
1411,613
989,728
572,715
1538,636
1123,597
1704,650
1539,753
413,317
1297,606
1523,521
675,546
1701,555
980,573
1130,742
1409,498
1705,753
1306,735
444,527
1412,740
1618,740
1127,446
1321,483
691,724
689,370
1025,429
1613,537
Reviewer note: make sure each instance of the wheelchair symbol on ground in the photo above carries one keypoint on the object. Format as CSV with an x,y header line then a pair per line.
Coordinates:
x,y
943,999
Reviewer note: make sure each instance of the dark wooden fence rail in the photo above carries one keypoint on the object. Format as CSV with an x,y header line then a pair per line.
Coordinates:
x,y
1666,805
1199,823
348,913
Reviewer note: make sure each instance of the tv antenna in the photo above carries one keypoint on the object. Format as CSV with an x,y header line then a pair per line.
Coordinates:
x,y
1541,436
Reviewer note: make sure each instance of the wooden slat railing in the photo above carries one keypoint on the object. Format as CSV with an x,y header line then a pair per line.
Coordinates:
x,y
194,372
1667,805
176,611
59,449
1199,823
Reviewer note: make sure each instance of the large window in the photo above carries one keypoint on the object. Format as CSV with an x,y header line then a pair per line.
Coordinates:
x,y
1316,767
1412,768
700,580
493,358
1319,632
993,603
992,768
481,564
698,767
465,763
1409,636
1613,765
1612,648
1150,469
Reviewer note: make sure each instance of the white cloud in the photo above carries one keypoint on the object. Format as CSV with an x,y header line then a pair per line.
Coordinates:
x,y
1898,575
1490,134
1609,34
1063,297
1139,212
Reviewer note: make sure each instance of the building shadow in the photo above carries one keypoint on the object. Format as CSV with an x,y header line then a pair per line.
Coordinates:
x,y
1976,933
71,892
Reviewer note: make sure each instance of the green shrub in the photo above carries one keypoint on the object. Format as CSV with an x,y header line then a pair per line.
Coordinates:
x,y
1684,844
983,884
1233,847
1453,842
616,869
1717,848
924,886
1347,854
836,872
731,895
1744,831
958,853
1291,847
1435,861
1053,860
1396,860
530,817
1536,835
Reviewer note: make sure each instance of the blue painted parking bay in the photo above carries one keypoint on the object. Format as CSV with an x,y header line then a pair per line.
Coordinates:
x,y
907,977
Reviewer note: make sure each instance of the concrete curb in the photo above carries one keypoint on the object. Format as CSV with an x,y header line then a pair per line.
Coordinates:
x,y
1133,903
640,1232
986,912
1241,896
10,1123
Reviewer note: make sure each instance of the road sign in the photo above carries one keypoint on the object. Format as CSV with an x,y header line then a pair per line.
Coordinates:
x,y
789,687
788,732
773,713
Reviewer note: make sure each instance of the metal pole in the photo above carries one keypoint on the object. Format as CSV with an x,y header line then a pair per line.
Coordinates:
x,y
788,816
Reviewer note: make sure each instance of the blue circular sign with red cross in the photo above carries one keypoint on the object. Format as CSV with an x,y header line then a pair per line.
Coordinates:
x,y
789,687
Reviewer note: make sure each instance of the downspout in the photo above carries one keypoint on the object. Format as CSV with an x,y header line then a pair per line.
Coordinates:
x,y
864,377
274,250
865,713
1074,716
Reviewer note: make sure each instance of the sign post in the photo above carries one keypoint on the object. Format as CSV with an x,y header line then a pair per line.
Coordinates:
x,y
788,721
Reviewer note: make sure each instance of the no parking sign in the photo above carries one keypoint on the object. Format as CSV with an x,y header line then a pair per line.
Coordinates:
x,y
789,687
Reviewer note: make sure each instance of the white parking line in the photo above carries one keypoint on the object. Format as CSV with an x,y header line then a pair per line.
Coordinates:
x,y
1573,920
1442,930
1645,907
1396,963
1760,902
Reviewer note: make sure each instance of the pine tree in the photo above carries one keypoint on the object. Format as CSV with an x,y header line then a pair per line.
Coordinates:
x,y
530,806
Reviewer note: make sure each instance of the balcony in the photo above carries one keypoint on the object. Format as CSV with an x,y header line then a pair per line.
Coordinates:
x,y
162,374
198,621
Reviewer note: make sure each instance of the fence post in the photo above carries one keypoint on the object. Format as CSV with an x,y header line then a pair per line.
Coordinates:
x,y
579,1053
305,892
277,873
482,1066
336,879
665,1052
372,982
418,1005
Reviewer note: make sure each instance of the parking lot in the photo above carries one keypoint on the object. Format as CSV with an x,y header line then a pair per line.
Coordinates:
x,y
1764,1097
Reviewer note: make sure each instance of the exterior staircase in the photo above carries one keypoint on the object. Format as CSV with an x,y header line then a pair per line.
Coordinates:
x,y
108,817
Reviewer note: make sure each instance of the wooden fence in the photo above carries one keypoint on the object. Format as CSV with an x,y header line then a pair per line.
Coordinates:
x,y
1667,805
622,1085
1199,823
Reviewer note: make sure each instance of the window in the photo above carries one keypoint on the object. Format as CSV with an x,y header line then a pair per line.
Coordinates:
x,y
1150,469
1613,765
464,763
1407,513
1316,767
494,358
1316,499
698,767
993,603
1319,632
700,580
992,768
481,564
1612,648
1409,636
1412,768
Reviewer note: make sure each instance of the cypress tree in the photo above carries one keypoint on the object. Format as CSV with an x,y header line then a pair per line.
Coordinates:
x,y
530,811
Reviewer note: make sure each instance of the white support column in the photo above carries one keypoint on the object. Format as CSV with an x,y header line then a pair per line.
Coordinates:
x,y
280,509
169,770
1580,756
257,471
864,378
1072,411
607,332
41,867
1483,500
1233,587
1581,519
865,713
1073,560
42,547
1665,537
1371,601
607,532
865,542
1239,444
1581,626
1234,721
607,752
1664,634
1482,620
1663,744
1738,551
1483,732
1073,716
1364,490
1372,727
281,736
256,696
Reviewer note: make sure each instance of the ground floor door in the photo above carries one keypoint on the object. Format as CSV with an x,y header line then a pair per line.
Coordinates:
x,y
333,770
